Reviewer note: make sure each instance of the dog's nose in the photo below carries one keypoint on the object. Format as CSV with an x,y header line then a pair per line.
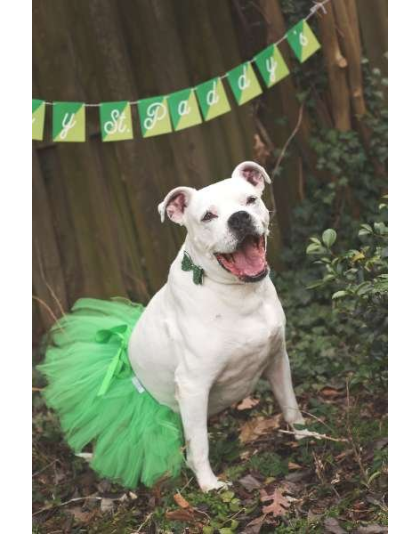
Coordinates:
x,y
239,220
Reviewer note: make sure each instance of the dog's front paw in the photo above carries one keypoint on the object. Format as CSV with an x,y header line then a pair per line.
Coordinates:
x,y
212,483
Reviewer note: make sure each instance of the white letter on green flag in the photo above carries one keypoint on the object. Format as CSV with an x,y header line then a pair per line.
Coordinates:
x,y
116,122
271,65
244,83
154,116
184,109
212,98
69,122
302,40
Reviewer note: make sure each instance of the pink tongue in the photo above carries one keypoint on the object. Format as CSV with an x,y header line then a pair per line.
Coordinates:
x,y
249,259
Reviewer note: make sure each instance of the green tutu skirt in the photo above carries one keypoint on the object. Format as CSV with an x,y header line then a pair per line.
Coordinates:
x,y
99,401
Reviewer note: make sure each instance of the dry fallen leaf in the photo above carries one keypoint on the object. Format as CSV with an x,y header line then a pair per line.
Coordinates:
x,y
372,529
329,392
292,466
257,426
181,502
333,526
254,526
247,404
280,503
180,515
107,505
80,515
250,483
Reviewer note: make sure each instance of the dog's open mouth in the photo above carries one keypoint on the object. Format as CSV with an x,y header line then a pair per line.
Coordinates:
x,y
248,261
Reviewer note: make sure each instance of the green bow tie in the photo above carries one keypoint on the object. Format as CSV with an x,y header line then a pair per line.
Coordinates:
x,y
188,265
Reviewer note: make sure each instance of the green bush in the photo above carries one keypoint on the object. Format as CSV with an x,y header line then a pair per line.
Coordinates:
x,y
357,279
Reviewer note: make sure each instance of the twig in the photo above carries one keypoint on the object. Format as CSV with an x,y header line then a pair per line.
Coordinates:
x,y
138,531
50,289
289,140
43,303
75,499
316,435
354,446
44,468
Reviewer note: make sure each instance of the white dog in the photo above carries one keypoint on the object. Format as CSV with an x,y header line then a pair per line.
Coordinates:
x,y
217,326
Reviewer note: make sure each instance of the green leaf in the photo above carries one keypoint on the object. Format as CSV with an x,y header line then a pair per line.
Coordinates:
x,y
329,237
313,248
227,496
339,294
380,228
367,227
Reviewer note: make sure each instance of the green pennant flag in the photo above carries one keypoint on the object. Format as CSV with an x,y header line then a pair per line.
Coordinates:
x,y
154,116
184,109
271,65
244,83
302,40
69,122
212,98
38,119
116,124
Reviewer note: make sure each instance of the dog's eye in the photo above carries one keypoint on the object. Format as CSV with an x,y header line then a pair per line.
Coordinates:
x,y
208,216
251,200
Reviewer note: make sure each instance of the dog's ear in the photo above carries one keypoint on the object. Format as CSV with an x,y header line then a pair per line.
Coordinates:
x,y
175,204
252,173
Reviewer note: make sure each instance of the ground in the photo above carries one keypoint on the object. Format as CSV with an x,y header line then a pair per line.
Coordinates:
x,y
336,484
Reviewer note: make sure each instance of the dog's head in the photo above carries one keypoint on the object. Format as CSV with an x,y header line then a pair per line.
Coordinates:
x,y
227,222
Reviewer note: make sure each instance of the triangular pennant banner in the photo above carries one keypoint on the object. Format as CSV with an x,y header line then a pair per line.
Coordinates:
x,y
116,124
69,122
212,98
184,109
244,83
302,40
271,65
38,119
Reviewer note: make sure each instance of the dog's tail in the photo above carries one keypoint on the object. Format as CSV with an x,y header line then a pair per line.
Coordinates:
x,y
99,400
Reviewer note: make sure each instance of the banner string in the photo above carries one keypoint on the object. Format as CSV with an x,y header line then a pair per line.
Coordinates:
x,y
316,7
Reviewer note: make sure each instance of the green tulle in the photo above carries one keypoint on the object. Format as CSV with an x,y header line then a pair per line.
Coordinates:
x,y
90,385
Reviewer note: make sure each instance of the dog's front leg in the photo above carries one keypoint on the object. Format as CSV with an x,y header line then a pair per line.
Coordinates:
x,y
192,396
280,378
